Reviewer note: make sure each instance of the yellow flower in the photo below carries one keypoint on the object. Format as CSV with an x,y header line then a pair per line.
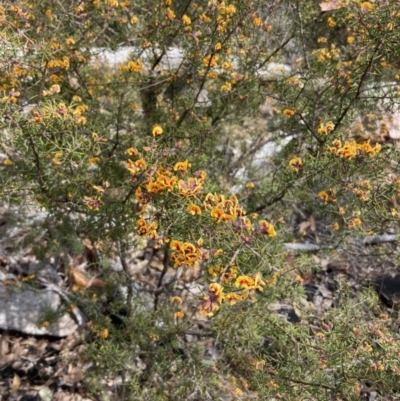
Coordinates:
x,y
182,166
245,282
70,41
295,164
232,298
289,112
217,290
157,130
170,14
218,46
324,196
210,61
133,66
186,20
112,3
98,188
179,315
350,40
366,6
103,333
8,162
354,222
330,23
368,347
134,20
335,226
94,160
177,300
204,18
257,21
227,87
141,163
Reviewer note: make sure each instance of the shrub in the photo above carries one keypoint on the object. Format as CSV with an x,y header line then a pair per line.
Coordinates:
x,y
149,148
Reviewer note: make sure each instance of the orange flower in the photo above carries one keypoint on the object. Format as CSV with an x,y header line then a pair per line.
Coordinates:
x,y
194,209
217,290
324,196
182,166
218,214
267,228
132,152
141,164
179,315
177,300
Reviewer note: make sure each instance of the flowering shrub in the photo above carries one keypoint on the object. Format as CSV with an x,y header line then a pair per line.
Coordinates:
x,y
150,148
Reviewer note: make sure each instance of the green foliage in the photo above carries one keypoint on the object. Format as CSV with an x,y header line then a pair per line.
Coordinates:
x,y
149,149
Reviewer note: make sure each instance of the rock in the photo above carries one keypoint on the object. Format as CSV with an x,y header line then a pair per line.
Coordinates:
x,y
388,287
24,308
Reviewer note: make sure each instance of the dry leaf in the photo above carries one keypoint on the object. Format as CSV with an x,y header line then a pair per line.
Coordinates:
x,y
313,225
74,375
16,383
331,5
303,226
80,281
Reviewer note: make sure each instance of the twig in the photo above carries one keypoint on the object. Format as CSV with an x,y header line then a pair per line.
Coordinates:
x,y
160,280
235,255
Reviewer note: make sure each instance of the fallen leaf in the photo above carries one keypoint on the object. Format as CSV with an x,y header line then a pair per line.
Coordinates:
x,y
16,383
74,375
313,225
45,394
80,281
303,226
331,5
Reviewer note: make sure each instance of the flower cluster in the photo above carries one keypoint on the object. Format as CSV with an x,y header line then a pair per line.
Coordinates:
x,y
328,197
185,253
148,230
223,210
350,148
245,288
325,129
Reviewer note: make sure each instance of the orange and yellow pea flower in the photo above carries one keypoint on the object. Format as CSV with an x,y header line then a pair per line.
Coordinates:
x,y
182,166
132,151
177,300
217,290
295,164
194,209
157,130
184,253
267,228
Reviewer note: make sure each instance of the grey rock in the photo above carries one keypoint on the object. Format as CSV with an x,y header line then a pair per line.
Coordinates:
x,y
22,309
